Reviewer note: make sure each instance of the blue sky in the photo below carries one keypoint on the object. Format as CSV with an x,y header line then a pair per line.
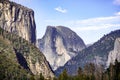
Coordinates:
x,y
90,19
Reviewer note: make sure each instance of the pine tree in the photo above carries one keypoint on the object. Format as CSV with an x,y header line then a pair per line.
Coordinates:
x,y
63,75
41,77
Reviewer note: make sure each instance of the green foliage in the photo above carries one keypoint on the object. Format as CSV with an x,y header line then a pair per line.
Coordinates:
x,y
32,78
41,77
63,75
89,69
93,72
80,72
12,45
10,70
113,72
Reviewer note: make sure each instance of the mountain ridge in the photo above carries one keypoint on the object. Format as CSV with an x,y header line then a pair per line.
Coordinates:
x,y
99,50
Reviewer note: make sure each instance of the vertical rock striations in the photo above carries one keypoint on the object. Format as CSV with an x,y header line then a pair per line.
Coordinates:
x,y
18,19
59,45
115,53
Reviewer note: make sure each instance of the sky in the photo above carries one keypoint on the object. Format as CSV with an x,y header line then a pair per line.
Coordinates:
x,y
90,19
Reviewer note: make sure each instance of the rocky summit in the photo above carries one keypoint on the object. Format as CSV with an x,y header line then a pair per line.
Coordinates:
x,y
60,44
18,19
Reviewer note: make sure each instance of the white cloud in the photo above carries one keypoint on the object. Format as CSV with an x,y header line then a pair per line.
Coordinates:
x,y
92,29
99,23
91,24
116,2
60,9
117,13
97,27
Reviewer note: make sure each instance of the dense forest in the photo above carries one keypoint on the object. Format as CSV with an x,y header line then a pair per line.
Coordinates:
x,y
93,72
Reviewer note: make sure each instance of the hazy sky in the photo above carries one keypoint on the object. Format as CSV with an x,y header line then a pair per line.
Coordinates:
x,y
90,19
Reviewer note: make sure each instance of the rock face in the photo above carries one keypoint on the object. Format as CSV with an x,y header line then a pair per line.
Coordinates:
x,y
18,23
114,54
96,53
18,19
60,44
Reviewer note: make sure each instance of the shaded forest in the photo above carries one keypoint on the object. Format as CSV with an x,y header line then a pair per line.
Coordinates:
x,y
93,72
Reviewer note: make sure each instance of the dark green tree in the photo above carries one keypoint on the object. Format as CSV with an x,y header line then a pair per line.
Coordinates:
x,y
41,77
80,72
63,75
117,70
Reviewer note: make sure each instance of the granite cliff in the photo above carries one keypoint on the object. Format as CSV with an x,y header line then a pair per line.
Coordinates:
x,y
60,44
17,36
115,53
18,19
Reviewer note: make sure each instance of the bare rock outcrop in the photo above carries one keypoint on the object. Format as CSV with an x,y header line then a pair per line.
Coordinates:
x,y
18,19
115,53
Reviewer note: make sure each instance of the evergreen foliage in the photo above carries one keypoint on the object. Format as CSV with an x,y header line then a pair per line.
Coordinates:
x,y
14,52
89,73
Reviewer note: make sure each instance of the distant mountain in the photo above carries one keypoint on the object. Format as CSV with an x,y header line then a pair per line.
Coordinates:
x,y
87,45
60,44
96,53
19,58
